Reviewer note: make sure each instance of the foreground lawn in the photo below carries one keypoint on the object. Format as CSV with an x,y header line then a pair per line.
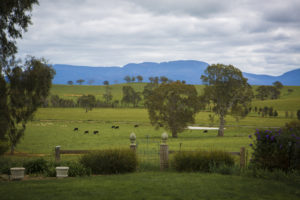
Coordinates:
x,y
151,185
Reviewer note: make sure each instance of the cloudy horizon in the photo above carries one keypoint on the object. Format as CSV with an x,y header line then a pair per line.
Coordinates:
x,y
260,37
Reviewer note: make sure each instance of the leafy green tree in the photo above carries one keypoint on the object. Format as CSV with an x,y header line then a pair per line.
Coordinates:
x,y
14,19
106,82
70,82
130,96
227,90
278,85
107,95
87,102
127,79
133,79
25,86
28,87
173,105
140,78
80,81
163,79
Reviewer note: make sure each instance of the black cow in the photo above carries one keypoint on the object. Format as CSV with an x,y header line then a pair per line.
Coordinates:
x,y
116,127
86,132
113,126
205,131
135,126
96,132
75,129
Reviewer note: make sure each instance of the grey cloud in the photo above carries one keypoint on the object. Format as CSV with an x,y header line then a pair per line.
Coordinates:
x,y
116,32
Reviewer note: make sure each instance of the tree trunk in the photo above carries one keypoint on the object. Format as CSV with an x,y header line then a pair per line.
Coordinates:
x,y
174,134
12,150
221,128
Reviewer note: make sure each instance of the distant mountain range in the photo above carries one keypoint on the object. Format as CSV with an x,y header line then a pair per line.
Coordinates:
x,y
188,70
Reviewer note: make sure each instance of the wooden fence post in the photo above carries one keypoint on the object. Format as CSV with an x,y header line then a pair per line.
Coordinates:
x,y
242,157
57,154
164,153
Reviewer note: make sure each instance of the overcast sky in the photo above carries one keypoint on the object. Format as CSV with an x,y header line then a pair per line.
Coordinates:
x,y
256,36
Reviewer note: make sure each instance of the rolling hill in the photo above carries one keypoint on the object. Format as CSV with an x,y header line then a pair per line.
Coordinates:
x,y
188,70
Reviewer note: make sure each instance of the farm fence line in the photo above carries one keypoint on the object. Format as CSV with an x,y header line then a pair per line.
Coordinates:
x,y
153,150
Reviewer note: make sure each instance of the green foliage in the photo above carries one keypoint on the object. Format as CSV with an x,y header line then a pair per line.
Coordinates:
x,y
75,169
173,105
87,101
298,114
277,148
111,161
130,96
204,161
27,90
37,166
227,90
268,92
80,81
14,19
3,147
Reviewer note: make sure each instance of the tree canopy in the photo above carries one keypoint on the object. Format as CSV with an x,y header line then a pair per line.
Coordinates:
x,y
172,105
14,19
28,87
23,87
227,90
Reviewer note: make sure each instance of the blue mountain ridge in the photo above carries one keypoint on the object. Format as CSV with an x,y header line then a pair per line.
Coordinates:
x,y
188,70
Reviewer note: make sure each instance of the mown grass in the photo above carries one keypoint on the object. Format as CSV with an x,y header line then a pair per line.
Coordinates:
x,y
151,185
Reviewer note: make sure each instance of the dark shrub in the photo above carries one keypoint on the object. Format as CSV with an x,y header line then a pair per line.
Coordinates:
x,y
37,166
277,148
201,160
3,147
112,161
75,169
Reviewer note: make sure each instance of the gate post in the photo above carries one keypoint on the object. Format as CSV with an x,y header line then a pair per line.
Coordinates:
x,y
242,157
57,154
164,153
132,138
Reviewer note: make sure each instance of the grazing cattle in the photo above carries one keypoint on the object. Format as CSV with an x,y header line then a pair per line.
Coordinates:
x,y
205,131
135,126
96,132
86,132
113,126
75,129
116,127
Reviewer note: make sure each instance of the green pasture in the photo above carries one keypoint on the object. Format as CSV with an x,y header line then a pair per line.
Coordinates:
x,y
55,126
151,185
289,101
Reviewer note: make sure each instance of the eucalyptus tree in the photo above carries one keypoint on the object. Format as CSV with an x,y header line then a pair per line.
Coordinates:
x,y
227,90
23,86
173,105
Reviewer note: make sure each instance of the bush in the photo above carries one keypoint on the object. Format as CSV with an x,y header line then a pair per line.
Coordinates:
x,y
75,169
201,160
277,148
3,147
112,161
37,166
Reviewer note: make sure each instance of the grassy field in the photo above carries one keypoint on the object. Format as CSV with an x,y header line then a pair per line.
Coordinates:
x,y
55,126
152,185
287,102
